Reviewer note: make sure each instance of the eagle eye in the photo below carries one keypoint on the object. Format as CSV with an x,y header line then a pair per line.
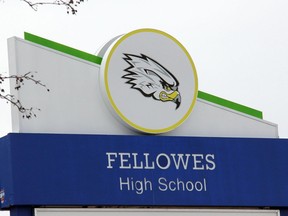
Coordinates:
x,y
167,88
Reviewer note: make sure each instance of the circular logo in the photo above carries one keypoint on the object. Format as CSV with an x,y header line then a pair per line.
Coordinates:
x,y
149,81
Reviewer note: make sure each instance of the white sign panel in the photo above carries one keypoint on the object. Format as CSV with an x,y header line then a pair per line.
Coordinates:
x,y
152,212
75,102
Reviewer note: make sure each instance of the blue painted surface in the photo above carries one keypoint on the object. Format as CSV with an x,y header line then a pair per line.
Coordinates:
x,y
59,169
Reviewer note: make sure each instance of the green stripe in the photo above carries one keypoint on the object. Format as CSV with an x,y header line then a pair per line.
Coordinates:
x,y
230,104
62,48
97,60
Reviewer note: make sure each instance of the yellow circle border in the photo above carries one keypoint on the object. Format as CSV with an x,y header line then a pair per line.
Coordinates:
x,y
126,120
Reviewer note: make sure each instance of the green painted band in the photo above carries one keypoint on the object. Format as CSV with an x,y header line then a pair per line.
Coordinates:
x,y
62,48
97,60
230,104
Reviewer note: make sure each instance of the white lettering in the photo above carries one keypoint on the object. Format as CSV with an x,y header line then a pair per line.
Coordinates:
x,y
123,161
138,186
136,166
198,165
210,162
147,166
161,162
181,160
127,183
180,185
110,160
162,184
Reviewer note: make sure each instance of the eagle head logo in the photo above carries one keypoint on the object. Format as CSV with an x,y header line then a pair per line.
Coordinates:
x,y
151,79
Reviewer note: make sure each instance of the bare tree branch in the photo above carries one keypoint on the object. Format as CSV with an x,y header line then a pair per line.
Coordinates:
x,y
19,82
26,112
70,5
19,79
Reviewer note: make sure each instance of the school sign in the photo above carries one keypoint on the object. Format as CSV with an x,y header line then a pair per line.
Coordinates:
x,y
129,127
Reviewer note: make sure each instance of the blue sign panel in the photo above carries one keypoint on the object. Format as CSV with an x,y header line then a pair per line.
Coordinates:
x,y
54,169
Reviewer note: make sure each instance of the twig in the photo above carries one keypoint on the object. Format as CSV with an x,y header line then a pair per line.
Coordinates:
x,y
19,81
70,5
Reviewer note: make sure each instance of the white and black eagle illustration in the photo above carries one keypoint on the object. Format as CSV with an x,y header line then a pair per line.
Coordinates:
x,y
151,79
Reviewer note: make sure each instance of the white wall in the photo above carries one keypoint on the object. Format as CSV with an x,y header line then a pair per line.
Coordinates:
x,y
153,212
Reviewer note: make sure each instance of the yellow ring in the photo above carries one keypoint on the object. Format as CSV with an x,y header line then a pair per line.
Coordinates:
x,y
133,125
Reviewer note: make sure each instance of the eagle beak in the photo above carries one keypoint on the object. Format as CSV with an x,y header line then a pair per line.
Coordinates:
x,y
177,100
174,96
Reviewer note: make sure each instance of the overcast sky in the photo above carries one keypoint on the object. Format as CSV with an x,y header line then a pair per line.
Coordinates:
x,y
239,47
